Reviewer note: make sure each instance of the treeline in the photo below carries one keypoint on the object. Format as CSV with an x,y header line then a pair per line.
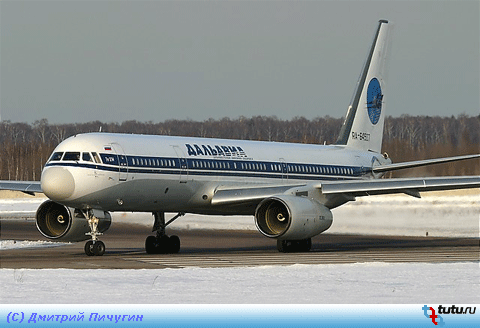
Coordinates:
x,y
26,147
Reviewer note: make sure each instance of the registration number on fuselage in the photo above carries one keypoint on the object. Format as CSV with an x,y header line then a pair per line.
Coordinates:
x,y
362,136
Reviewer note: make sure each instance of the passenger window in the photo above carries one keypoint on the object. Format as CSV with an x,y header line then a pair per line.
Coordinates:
x,y
71,156
86,157
56,156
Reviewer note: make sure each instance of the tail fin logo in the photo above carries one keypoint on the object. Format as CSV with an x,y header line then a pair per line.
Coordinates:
x,y
374,101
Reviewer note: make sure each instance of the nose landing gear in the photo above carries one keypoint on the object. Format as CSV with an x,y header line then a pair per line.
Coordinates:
x,y
93,247
161,243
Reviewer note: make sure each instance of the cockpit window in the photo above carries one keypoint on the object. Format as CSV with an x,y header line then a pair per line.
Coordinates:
x,y
96,158
56,156
71,156
86,157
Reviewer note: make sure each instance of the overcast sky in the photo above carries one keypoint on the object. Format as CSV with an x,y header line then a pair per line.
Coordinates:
x,y
79,61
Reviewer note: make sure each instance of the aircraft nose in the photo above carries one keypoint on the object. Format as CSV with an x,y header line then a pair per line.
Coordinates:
x,y
57,183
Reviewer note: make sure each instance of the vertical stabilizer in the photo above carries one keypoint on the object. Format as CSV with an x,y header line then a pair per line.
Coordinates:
x,y
363,126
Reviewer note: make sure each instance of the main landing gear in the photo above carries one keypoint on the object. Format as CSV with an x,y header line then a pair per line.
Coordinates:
x,y
93,247
290,246
161,243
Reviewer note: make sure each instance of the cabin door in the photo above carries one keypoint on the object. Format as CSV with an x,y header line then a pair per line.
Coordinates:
x,y
183,165
122,161
284,169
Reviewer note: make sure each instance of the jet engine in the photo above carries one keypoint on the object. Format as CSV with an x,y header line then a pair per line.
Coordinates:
x,y
289,217
56,221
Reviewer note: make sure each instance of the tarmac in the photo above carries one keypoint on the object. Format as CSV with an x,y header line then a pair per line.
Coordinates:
x,y
226,248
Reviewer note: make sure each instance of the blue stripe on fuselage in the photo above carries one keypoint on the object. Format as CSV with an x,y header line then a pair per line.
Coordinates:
x,y
216,167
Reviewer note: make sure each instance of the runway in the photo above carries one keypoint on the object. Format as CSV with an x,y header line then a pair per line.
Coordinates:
x,y
222,248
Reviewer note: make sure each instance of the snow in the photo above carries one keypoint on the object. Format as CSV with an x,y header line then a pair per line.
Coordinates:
x,y
378,283
15,244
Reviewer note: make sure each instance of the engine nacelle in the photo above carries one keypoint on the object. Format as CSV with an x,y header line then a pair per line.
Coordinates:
x,y
291,217
56,221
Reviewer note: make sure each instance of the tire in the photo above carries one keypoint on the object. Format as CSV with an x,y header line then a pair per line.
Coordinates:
x,y
151,245
163,245
174,244
99,248
89,248
282,246
306,245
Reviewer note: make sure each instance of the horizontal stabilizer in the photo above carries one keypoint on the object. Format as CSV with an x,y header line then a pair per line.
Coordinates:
x,y
407,165
28,187
410,186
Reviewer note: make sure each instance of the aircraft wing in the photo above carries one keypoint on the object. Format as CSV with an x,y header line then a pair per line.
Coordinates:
x,y
251,196
28,187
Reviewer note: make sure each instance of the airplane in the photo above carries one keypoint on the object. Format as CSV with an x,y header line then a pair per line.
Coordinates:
x,y
290,189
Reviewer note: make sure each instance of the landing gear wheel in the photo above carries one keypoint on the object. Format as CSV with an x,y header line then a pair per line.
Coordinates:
x,y
151,245
163,243
174,244
282,246
94,248
89,248
99,248
307,245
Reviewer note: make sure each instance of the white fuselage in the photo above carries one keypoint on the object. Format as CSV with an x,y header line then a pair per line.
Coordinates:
x,y
122,172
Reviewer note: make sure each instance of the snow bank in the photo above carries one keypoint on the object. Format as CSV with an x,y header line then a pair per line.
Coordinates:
x,y
14,244
377,283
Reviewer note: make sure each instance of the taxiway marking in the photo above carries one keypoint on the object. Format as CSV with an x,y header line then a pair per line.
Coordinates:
x,y
262,259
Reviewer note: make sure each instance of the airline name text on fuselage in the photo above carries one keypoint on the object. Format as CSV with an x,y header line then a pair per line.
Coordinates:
x,y
215,150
